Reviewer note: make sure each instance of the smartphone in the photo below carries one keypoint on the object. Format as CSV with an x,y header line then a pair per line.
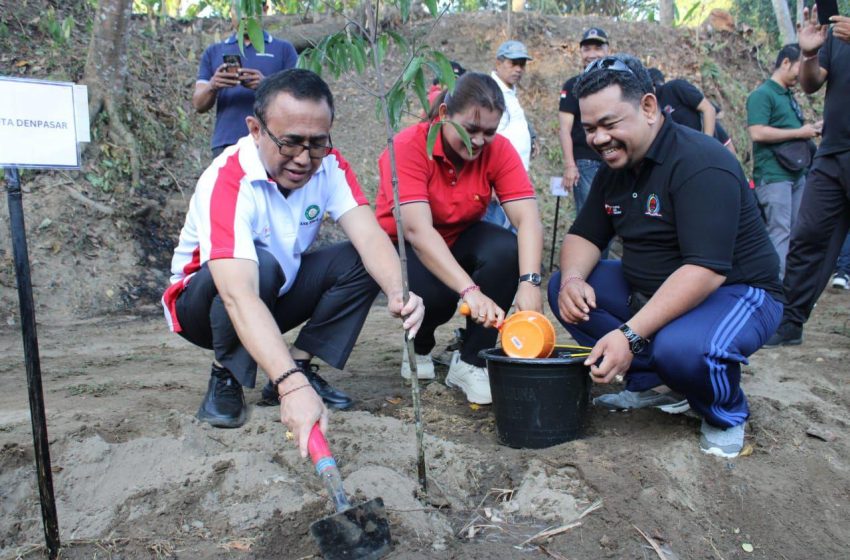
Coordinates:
x,y
826,9
233,62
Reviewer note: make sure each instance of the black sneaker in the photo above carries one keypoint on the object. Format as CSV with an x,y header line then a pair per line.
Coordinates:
x,y
224,403
334,398
788,334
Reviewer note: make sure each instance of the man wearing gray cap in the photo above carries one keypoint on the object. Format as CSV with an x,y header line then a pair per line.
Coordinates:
x,y
580,161
510,67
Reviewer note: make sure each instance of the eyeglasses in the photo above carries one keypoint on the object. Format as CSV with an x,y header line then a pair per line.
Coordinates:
x,y
608,63
287,148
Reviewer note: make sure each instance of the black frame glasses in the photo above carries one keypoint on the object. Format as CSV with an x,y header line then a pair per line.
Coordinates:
x,y
287,148
608,63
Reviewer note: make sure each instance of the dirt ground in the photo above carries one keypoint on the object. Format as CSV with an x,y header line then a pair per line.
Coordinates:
x,y
137,476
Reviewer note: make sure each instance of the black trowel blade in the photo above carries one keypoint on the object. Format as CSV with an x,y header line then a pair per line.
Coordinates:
x,y
359,533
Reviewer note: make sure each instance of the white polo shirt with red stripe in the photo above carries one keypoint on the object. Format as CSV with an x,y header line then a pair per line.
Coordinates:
x,y
236,209
458,199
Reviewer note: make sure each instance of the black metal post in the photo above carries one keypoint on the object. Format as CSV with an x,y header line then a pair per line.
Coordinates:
x,y
33,364
554,234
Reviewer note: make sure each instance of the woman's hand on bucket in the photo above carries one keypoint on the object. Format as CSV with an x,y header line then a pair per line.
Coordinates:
x,y
615,354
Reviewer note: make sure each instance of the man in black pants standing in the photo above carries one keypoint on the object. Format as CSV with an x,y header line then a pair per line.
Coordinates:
x,y
825,210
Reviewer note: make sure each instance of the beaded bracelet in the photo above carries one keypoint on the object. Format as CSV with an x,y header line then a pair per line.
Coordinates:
x,y
468,289
280,397
282,377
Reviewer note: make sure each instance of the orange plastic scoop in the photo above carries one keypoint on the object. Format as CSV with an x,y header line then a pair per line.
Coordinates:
x,y
525,334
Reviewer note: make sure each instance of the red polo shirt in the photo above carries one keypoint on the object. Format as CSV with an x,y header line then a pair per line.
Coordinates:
x,y
457,200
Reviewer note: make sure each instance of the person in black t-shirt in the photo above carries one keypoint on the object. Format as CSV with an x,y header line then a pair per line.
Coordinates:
x,y
697,290
687,105
580,162
824,217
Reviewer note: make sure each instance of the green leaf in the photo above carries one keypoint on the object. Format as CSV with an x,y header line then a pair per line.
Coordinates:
x,y
404,8
255,33
464,135
420,89
412,67
358,54
433,131
379,109
400,41
432,7
240,36
396,99
446,73
383,45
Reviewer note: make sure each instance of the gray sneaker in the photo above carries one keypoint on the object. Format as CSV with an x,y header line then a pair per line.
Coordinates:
x,y
722,442
671,403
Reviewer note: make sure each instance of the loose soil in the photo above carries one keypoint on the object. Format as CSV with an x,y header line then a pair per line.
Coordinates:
x,y
137,476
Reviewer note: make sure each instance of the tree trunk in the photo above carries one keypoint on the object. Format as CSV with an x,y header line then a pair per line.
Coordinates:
x,y
783,20
106,71
667,9
106,63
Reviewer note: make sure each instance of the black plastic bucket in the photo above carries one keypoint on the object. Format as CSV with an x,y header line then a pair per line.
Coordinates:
x,y
539,402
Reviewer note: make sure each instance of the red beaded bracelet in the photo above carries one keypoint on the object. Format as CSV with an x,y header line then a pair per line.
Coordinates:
x,y
468,289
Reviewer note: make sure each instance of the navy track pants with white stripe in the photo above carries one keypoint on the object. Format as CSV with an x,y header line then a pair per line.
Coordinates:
x,y
698,354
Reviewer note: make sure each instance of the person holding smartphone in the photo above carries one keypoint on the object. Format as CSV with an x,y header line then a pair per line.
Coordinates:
x,y
227,80
824,217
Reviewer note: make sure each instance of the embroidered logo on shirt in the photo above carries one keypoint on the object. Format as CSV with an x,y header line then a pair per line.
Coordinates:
x,y
312,214
653,206
613,209
564,93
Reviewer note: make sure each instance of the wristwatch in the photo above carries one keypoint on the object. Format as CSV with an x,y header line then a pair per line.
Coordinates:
x,y
532,277
636,342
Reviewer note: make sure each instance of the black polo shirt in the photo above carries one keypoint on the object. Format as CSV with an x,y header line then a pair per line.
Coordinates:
x,y
569,104
689,203
835,59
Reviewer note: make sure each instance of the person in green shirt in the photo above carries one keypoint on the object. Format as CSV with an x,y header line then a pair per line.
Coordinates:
x,y
774,118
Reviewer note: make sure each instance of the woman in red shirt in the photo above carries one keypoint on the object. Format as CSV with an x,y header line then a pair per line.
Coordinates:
x,y
451,253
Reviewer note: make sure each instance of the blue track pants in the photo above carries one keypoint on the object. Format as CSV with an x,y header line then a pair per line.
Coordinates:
x,y
698,354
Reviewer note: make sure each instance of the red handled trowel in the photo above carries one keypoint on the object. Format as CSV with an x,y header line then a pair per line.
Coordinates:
x,y
353,532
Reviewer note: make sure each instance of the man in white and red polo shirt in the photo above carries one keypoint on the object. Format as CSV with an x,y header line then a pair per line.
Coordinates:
x,y
241,274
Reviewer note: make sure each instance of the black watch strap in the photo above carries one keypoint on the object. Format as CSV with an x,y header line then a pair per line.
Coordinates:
x,y
531,277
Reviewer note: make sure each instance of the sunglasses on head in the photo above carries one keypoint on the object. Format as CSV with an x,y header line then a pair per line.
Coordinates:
x,y
608,63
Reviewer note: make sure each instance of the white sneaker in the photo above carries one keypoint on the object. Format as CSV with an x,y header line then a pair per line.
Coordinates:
x,y
473,380
424,366
841,281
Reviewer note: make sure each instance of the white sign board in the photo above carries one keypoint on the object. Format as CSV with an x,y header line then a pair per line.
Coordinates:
x,y
38,124
556,185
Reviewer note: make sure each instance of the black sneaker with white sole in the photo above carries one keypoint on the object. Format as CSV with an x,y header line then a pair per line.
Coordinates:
x,y
224,403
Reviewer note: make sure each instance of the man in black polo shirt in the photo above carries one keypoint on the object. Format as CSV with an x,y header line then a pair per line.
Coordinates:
x,y
824,217
697,290
580,162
